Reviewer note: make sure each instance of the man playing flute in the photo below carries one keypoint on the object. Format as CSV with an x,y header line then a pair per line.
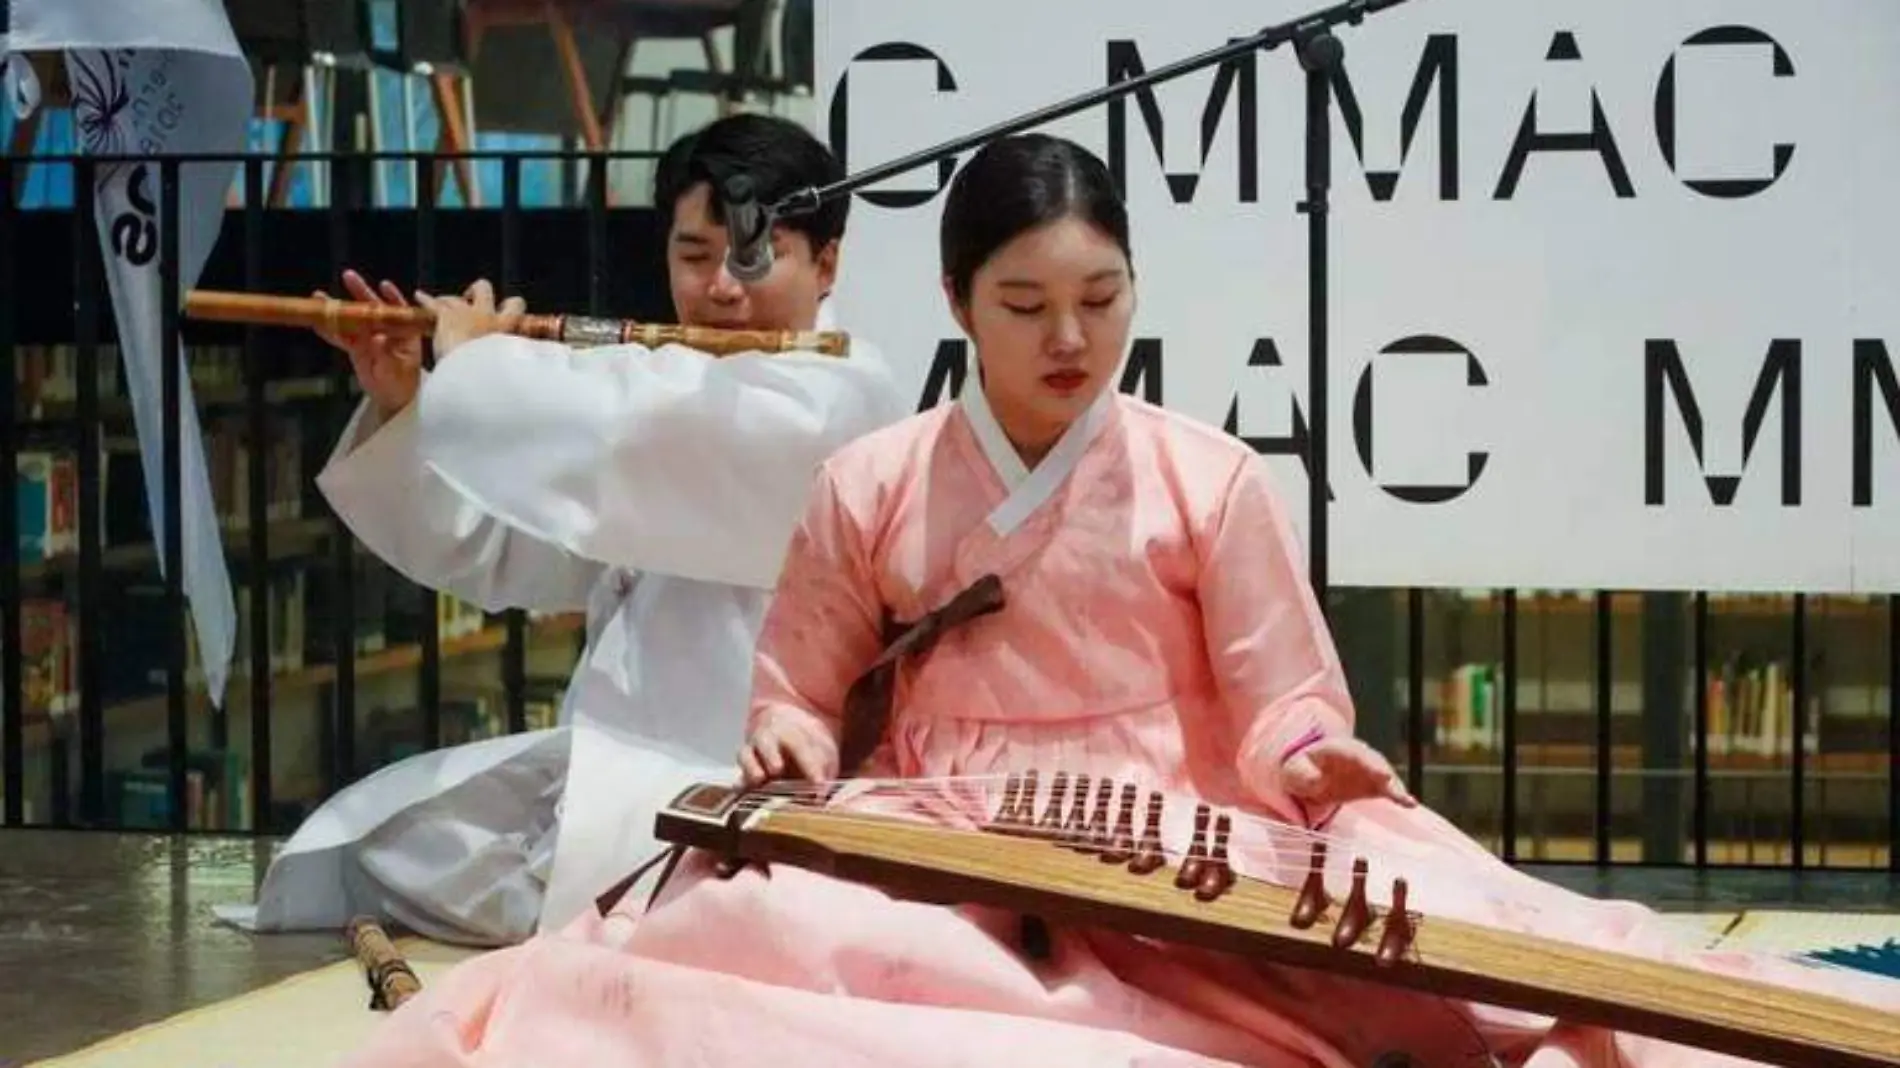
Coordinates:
x,y
655,489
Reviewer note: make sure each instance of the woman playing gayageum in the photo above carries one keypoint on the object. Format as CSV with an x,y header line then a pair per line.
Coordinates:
x,y
1130,607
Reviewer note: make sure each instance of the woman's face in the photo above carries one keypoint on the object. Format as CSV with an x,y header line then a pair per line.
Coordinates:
x,y
1049,315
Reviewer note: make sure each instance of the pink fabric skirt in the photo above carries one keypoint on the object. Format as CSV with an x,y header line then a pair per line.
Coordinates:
x,y
796,967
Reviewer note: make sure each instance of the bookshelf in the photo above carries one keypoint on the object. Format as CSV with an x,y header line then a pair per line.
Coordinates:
x,y
389,614
1673,661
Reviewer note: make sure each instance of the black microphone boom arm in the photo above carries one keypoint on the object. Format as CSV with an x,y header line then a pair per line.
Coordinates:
x,y
1322,58
1304,29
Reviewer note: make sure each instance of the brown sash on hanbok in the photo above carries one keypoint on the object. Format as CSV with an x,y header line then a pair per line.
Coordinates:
x,y
867,705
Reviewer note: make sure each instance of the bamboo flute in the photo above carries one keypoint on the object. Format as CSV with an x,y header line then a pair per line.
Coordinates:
x,y
345,317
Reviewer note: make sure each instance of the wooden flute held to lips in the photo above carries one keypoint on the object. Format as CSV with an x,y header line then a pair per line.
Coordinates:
x,y
346,317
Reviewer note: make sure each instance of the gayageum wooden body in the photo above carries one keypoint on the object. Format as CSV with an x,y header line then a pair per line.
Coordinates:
x,y
1082,872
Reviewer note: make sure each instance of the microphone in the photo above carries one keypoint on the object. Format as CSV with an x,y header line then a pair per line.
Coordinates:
x,y
748,231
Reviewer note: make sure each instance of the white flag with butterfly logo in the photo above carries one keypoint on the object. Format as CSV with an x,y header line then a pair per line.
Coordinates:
x,y
153,78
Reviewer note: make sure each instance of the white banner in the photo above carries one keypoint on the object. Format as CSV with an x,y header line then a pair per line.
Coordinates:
x,y
155,78
1615,295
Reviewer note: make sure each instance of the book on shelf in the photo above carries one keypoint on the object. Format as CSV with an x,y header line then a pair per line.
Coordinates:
x,y
467,714
285,601
49,642
47,476
217,791
1470,707
46,489
456,618
1751,709
230,455
46,377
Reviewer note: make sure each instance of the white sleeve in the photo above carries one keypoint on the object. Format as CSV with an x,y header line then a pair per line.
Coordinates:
x,y
661,460
420,525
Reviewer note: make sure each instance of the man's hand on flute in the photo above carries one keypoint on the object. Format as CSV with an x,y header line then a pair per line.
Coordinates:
x,y
387,366
474,315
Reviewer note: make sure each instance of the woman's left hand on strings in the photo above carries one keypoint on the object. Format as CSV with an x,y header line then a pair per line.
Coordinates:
x,y
1335,771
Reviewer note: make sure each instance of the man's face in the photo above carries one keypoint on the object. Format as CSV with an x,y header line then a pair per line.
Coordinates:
x,y
705,295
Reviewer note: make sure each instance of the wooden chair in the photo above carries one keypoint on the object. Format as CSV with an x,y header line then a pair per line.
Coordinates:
x,y
538,43
752,61
585,46
798,47
297,48
433,42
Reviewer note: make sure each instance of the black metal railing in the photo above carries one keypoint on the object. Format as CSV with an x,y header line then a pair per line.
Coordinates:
x,y
12,735
260,249
1407,649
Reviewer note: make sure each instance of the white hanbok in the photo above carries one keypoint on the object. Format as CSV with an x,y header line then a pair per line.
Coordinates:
x,y
654,489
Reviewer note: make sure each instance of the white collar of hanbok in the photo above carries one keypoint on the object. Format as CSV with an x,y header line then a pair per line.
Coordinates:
x,y
1029,489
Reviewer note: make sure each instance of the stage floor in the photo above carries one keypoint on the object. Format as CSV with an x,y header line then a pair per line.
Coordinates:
x,y
102,933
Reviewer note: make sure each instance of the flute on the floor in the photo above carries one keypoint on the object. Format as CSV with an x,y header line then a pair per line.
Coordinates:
x,y
359,317
391,980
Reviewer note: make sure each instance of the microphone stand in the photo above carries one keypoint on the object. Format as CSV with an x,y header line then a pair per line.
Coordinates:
x,y
1321,56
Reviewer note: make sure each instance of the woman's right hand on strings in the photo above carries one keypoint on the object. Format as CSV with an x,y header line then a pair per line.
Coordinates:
x,y
786,739
388,367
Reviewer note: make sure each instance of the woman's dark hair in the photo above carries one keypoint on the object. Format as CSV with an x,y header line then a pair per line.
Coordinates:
x,y
1016,184
778,155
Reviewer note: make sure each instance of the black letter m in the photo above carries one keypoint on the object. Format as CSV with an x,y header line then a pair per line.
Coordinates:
x,y
1664,371
1124,62
1873,369
1438,65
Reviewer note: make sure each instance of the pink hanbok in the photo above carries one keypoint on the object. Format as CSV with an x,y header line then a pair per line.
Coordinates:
x,y
1157,630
